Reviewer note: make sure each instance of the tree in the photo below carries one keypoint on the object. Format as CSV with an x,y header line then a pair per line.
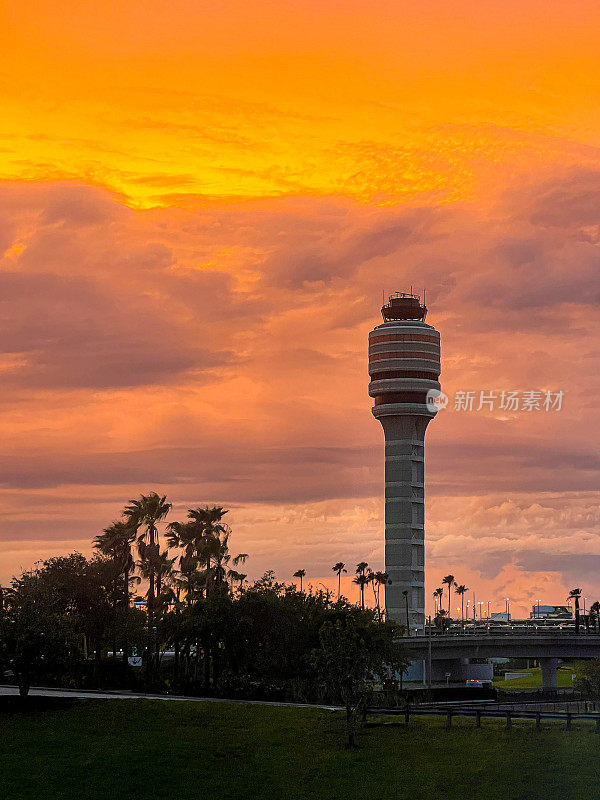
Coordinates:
x,y
234,576
449,580
361,580
442,620
460,591
115,542
437,596
338,568
379,579
300,573
352,652
212,546
38,638
144,514
587,678
185,535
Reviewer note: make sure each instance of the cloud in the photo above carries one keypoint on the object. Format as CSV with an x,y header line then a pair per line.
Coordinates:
x,y
220,354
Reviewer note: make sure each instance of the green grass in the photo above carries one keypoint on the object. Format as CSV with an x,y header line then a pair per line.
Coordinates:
x,y
563,679
141,749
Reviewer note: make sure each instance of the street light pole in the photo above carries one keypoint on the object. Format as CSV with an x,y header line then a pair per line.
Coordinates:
x,y
405,593
429,656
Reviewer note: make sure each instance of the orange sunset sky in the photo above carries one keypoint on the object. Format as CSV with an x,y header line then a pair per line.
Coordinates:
x,y
200,205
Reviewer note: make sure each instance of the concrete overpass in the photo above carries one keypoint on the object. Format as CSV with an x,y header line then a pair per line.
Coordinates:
x,y
452,653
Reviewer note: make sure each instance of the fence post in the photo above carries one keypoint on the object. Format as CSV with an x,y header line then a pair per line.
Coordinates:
x,y
538,720
568,720
508,719
449,719
478,719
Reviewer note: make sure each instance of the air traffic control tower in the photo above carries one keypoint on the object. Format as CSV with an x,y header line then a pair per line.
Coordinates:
x,y
404,364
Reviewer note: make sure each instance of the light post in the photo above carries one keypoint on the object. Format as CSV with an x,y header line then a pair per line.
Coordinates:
x,y
488,609
467,611
480,603
538,610
327,592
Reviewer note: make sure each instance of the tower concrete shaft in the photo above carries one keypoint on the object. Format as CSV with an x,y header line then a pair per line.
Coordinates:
x,y
404,365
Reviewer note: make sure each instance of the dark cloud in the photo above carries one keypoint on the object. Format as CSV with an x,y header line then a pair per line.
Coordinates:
x,y
245,474
572,200
71,332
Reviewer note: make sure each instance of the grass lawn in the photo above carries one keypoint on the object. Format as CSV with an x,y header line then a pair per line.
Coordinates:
x,y
141,749
563,679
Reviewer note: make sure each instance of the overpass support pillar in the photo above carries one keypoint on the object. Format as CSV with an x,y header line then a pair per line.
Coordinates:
x,y
549,667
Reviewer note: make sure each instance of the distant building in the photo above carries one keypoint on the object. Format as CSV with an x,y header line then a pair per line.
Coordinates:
x,y
497,616
551,612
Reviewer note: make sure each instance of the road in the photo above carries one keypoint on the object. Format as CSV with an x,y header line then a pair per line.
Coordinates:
x,y
94,694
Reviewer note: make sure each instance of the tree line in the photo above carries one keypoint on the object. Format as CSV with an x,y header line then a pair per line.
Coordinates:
x,y
200,627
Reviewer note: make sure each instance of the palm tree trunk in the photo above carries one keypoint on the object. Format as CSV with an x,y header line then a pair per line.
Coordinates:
x,y
115,618
151,597
216,659
157,643
339,583
125,616
206,648
150,626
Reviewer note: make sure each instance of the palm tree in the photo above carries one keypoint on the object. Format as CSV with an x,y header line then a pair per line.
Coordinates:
x,y
460,591
184,535
300,573
441,619
449,580
338,569
437,596
212,542
234,575
380,579
144,514
115,542
162,566
362,580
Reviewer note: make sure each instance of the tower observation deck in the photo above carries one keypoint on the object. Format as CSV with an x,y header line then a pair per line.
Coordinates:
x,y
404,364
